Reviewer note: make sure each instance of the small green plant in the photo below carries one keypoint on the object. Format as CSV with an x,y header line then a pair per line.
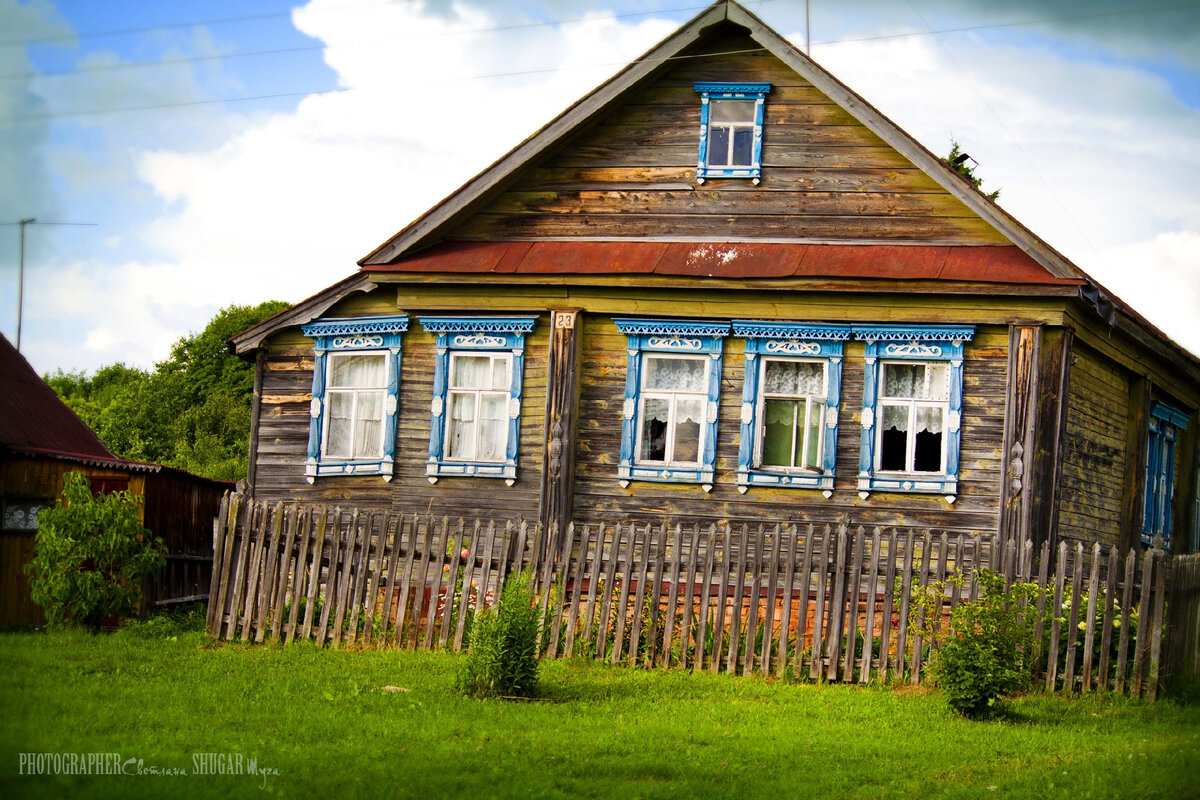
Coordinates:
x,y
92,555
503,659
986,650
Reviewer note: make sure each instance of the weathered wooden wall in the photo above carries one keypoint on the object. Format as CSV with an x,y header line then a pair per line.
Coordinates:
x,y
1092,487
825,175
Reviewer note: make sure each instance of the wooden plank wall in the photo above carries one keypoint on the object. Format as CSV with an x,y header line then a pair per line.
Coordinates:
x,y
825,175
180,509
598,495
1092,486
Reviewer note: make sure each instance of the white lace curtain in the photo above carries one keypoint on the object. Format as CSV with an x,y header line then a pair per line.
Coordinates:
x,y
357,370
909,380
676,374
794,378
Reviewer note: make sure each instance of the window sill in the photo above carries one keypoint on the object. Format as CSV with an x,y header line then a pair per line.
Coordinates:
x,y
665,474
909,483
787,479
471,469
329,467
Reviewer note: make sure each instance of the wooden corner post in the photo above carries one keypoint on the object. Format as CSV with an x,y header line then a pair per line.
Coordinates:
x,y
562,403
1054,374
1020,417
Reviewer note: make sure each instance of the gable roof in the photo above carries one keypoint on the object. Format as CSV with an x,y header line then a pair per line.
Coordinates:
x,y
428,228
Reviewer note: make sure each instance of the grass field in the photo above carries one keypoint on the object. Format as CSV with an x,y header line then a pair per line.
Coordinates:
x,y
322,720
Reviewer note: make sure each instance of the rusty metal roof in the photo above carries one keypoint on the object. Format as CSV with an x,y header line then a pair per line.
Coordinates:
x,y
740,260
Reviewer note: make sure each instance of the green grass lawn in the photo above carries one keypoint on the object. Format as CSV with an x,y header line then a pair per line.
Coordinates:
x,y
322,720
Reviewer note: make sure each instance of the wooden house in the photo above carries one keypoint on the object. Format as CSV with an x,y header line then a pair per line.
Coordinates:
x,y
41,440
723,286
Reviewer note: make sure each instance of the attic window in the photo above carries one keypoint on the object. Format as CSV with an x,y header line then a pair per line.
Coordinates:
x,y
731,122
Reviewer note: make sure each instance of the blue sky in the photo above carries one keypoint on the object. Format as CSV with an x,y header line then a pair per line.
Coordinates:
x,y
217,173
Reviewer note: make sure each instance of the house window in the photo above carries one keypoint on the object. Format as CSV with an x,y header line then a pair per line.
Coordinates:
x,y
475,417
672,387
21,516
1166,425
791,397
912,408
355,395
731,130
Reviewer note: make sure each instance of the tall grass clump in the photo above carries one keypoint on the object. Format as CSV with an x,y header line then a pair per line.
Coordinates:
x,y
503,659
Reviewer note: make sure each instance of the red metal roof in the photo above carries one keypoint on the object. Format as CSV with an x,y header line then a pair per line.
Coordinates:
x,y
736,260
32,418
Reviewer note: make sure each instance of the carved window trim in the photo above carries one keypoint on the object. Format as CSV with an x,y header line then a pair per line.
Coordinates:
x,y
680,337
1166,425
354,335
483,335
709,91
913,343
788,341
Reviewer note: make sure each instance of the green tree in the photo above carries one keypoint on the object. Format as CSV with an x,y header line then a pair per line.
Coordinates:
x,y
957,160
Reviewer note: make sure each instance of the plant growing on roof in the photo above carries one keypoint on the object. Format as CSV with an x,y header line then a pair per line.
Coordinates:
x,y
92,555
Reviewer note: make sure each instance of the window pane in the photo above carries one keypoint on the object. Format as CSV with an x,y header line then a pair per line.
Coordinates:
x,y
689,413
461,438
357,370
655,411
893,446
493,427
794,378
21,515
779,423
939,382
903,380
676,374
500,379
368,430
731,111
743,141
341,424
927,453
812,457
471,372
718,147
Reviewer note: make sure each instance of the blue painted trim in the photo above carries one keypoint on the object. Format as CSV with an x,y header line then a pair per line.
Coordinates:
x,y
783,339
669,336
354,334
711,90
1170,415
488,334
1165,425
912,343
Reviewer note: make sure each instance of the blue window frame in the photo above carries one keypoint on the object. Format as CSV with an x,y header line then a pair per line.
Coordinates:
x,y
912,408
475,417
355,395
791,398
731,130
672,391
1166,424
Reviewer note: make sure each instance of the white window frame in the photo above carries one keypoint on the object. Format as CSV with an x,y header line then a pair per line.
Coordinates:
x,y
912,404
451,390
648,394
761,416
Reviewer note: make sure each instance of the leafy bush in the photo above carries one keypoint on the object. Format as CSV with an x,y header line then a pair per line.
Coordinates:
x,y
167,624
91,555
503,659
986,652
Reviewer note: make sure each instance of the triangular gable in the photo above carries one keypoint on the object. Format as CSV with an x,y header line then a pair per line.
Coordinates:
x,y
459,207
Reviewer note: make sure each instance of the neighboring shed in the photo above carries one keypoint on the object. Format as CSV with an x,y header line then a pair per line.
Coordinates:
x,y
41,440
823,323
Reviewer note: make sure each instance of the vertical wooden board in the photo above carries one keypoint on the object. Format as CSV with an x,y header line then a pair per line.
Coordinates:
x,y
358,557
642,569
889,591
1126,608
300,573
575,610
235,541
836,607
772,576
253,576
1110,591
852,597
1073,623
285,569
349,548
755,567
314,574
1043,582
486,573
654,592
1156,623
914,665
609,595
409,545
377,543
468,577
332,585
571,541
803,590
1089,639
266,586
664,659
905,592
739,589
425,545
787,587
391,553
710,561
435,581
595,572
872,579
1060,580
721,573
618,649
689,596
821,567
219,562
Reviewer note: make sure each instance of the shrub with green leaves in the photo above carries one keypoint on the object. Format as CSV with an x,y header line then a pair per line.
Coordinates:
x,y
986,652
92,555
503,659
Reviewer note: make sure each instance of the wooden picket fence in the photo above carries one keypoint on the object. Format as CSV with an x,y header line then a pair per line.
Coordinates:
x,y
821,602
